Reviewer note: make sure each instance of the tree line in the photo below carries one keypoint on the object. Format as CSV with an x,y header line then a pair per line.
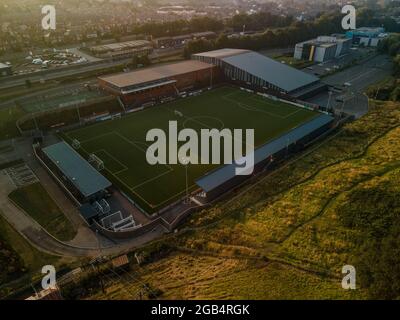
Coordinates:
x,y
284,32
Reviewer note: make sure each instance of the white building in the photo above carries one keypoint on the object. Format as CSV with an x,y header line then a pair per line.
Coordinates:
x,y
322,49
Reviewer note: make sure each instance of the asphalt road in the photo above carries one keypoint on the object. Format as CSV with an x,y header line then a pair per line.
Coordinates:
x,y
360,77
36,77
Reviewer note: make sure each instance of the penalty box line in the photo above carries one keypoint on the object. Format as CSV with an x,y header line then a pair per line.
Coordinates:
x,y
115,159
247,107
263,99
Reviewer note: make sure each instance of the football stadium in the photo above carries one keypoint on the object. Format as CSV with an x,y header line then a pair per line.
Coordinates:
x,y
222,89
121,144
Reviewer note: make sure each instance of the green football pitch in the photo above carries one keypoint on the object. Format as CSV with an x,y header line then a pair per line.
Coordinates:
x,y
121,144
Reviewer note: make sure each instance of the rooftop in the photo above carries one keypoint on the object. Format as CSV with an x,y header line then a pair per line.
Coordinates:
x,y
3,66
222,53
223,174
155,73
121,45
84,177
280,75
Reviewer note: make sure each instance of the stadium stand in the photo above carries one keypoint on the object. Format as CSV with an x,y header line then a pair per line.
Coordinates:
x,y
224,178
83,181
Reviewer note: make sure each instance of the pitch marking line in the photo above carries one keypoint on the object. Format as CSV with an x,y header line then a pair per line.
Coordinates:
x,y
137,147
256,109
93,138
250,108
151,179
115,159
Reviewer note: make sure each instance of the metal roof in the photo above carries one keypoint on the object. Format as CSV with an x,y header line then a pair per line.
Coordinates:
x,y
274,72
121,45
132,78
221,53
223,174
4,66
84,177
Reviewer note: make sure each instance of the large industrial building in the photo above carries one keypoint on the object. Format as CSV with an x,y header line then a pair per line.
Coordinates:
x,y
156,83
179,41
82,181
368,37
323,48
260,71
122,50
5,69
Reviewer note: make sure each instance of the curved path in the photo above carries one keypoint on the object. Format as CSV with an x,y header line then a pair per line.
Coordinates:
x,y
43,241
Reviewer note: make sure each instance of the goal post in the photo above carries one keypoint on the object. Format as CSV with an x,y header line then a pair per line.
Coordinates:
x,y
96,162
76,144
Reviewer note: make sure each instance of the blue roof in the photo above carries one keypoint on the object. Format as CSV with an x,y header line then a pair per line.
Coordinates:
x,y
274,72
84,177
223,174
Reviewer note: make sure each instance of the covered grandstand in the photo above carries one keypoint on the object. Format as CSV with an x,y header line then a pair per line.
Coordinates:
x,y
261,71
149,84
224,178
83,182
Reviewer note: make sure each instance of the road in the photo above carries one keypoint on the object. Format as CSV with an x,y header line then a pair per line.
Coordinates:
x,y
43,241
360,77
65,72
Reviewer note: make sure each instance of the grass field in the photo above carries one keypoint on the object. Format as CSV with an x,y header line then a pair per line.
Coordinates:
x,y
122,146
36,202
58,100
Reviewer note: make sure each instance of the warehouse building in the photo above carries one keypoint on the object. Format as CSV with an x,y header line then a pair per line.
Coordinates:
x,y
224,178
323,48
179,41
5,69
262,72
123,50
157,83
81,180
368,37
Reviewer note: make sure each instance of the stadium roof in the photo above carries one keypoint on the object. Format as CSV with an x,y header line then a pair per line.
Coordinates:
x,y
274,72
155,73
223,174
84,177
221,53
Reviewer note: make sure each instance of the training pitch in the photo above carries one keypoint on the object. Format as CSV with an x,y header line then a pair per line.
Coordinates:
x,y
121,144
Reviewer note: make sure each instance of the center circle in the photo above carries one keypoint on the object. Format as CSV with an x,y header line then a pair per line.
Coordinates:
x,y
205,122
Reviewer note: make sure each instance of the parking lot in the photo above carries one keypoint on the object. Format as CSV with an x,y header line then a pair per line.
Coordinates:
x,y
325,68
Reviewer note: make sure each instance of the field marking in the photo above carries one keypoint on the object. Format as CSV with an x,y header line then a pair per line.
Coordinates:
x,y
250,108
255,109
151,179
137,147
93,138
262,99
121,136
196,121
209,117
189,118
115,159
